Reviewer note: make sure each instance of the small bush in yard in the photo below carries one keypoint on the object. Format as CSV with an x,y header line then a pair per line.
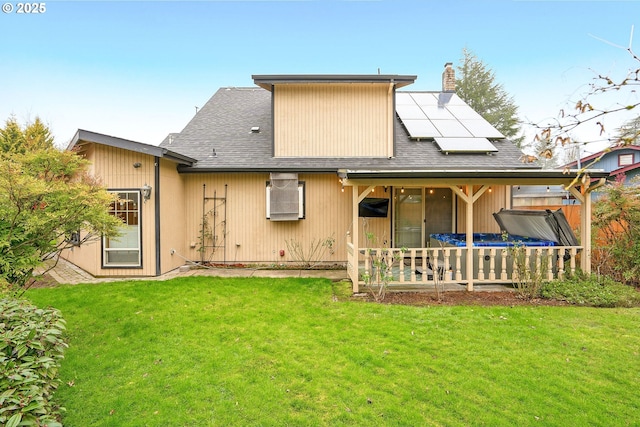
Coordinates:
x,y
591,290
31,347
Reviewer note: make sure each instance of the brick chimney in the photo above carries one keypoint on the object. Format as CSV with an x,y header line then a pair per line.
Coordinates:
x,y
448,78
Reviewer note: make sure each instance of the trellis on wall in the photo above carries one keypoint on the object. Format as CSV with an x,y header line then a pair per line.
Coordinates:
x,y
213,230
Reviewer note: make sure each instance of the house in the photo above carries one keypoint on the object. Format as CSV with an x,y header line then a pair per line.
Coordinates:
x,y
306,158
621,162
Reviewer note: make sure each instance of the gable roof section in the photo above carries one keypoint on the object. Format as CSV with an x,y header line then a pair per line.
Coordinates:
x,y
84,136
219,136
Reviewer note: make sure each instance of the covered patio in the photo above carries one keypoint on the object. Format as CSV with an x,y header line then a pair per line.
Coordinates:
x,y
476,195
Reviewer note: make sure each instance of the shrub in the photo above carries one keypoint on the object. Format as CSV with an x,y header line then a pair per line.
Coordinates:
x,y
380,272
527,277
314,255
616,232
31,347
591,290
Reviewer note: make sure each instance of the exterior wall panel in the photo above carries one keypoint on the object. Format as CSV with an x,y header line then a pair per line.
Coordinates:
x,y
336,120
252,238
115,168
172,226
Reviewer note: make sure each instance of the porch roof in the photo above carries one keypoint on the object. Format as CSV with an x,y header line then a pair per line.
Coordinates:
x,y
513,176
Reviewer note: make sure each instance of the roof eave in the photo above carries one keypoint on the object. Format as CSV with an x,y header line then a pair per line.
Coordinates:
x,y
267,81
186,169
125,144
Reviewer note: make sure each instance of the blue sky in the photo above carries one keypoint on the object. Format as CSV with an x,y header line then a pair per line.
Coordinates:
x,y
137,70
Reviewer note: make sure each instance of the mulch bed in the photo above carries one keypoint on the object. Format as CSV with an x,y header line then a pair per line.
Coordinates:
x,y
44,281
483,298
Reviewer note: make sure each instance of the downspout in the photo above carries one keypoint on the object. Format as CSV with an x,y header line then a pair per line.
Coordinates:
x,y
392,119
156,203
273,120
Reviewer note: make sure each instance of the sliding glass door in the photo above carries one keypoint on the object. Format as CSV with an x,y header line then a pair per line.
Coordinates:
x,y
420,212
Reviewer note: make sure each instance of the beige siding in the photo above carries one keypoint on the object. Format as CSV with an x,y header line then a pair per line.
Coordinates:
x,y
483,209
250,236
332,120
374,232
115,168
172,208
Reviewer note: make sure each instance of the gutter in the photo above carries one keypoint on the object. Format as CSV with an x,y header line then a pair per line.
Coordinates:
x,y
467,174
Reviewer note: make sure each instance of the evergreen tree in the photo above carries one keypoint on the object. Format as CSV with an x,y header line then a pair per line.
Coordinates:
x,y
476,85
14,139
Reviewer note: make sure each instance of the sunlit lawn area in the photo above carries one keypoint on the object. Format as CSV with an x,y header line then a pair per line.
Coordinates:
x,y
205,351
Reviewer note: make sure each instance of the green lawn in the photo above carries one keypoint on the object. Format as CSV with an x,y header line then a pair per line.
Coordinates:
x,y
286,352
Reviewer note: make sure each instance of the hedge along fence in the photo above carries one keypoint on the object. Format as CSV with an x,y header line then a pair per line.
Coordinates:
x,y
31,348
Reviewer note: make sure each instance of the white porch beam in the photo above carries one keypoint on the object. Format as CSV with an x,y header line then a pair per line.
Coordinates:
x,y
364,194
577,194
459,193
480,192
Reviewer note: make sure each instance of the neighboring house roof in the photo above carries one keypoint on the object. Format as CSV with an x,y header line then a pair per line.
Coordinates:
x,y
219,136
599,154
614,170
84,136
624,170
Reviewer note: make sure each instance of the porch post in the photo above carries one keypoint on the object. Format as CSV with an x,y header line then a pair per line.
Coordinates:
x,y
585,232
469,223
355,199
584,197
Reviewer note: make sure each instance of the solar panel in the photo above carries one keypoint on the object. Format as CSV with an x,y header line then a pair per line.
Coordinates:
x,y
424,98
451,128
421,128
410,112
404,98
465,145
442,115
434,112
482,127
464,112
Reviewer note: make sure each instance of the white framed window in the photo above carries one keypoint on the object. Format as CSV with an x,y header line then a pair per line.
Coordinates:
x,y
124,250
285,198
625,159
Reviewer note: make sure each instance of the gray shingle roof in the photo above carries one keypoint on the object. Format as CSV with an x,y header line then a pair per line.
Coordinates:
x,y
224,124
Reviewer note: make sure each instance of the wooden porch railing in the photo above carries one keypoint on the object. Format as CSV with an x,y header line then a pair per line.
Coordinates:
x,y
448,265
